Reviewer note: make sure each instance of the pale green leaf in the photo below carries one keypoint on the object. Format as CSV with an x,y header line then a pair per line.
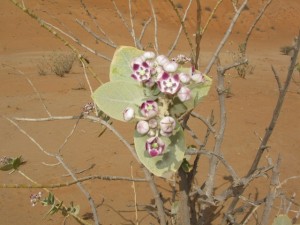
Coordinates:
x,y
120,67
282,220
169,162
114,97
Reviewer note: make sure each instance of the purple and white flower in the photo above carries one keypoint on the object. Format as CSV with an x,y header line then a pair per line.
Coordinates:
x,y
155,146
167,125
142,127
149,109
141,70
168,84
35,198
184,94
128,114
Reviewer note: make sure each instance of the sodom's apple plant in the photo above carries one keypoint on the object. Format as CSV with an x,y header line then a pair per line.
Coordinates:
x,y
154,92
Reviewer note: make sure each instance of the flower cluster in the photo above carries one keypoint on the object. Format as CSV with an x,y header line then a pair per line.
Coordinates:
x,y
35,198
158,72
87,108
181,59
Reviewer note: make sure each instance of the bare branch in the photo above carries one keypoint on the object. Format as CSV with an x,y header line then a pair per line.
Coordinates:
x,y
184,213
180,29
80,171
158,201
211,17
229,168
68,137
262,11
183,27
97,37
130,30
80,220
193,135
155,26
198,35
209,184
223,41
277,78
205,121
286,180
97,25
235,64
60,160
272,193
67,184
49,29
277,108
135,199
33,87
78,42
29,137
144,29
132,24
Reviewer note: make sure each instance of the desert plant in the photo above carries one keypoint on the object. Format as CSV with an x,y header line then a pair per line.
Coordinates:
x,y
159,95
61,63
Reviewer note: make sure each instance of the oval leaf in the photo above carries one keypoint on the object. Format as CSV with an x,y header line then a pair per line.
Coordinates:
x,y
114,97
120,67
169,162
282,220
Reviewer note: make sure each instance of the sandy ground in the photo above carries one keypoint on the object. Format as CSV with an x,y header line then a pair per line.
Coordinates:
x,y
25,47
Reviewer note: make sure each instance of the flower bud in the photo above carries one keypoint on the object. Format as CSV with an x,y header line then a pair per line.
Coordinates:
x,y
152,123
184,94
149,55
198,77
167,125
151,133
184,78
170,67
128,114
142,127
162,60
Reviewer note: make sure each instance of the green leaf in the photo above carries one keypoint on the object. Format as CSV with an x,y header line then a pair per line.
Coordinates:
x,y
186,166
282,220
120,67
169,162
114,97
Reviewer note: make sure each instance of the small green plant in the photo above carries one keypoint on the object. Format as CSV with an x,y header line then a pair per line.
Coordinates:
x,y
55,206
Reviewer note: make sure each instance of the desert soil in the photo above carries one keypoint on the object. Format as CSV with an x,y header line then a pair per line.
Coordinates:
x,y
26,48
